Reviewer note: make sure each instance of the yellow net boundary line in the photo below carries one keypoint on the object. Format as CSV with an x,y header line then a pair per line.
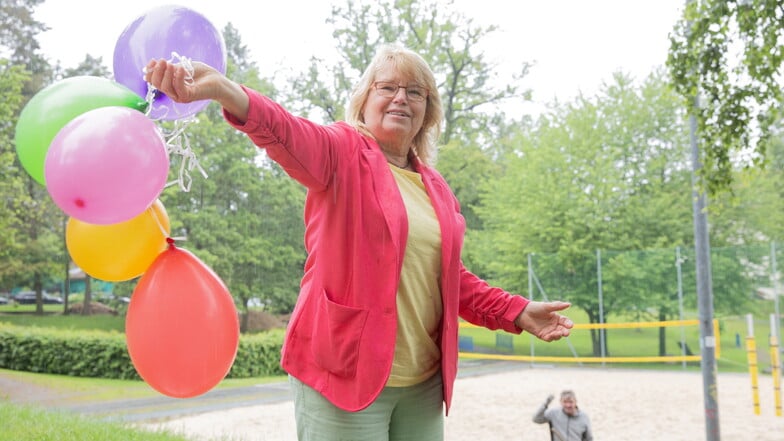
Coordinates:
x,y
645,359
654,359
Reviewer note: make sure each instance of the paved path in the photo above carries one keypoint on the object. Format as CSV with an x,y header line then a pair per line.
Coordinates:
x,y
152,408
161,407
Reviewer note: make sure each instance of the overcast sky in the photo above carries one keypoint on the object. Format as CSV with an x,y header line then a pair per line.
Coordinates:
x,y
576,44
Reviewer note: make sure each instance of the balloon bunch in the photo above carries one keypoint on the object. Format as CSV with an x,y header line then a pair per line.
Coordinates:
x,y
95,145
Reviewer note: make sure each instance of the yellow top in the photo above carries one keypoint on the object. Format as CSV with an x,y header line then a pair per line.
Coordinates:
x,y
419,308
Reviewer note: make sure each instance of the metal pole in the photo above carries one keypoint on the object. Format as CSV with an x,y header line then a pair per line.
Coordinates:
x,y
751,355
601,303
774,278
531,296
704,283
678,263
704,292
775,364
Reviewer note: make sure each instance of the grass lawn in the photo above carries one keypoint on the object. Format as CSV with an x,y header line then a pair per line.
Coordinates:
x,y
23,315
25,423
104,389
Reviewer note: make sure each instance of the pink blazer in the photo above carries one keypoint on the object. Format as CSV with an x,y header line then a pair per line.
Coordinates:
x,y
341,337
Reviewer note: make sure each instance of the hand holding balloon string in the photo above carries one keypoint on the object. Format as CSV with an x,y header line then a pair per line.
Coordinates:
x,y
177,143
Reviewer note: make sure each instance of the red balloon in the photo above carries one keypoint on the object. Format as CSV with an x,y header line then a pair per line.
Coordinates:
x,y
182,328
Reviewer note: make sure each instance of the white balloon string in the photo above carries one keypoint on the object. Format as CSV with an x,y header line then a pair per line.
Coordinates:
x,y
177,143
163,230
150,97
185,62
158,221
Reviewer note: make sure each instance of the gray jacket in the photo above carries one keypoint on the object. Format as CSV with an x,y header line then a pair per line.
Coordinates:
x,y
563,426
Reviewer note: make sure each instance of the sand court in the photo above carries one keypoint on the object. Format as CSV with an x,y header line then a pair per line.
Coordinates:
x,y
623,404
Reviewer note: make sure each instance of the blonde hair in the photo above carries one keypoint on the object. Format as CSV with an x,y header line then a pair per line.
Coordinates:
x,y
413,66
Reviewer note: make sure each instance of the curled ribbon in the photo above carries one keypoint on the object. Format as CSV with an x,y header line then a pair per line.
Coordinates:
x,y
177,143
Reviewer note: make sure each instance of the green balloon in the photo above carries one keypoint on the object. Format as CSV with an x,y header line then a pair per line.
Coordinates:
x,y
57,104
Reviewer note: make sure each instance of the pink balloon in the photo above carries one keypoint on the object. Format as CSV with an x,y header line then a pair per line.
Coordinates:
x,y
106,165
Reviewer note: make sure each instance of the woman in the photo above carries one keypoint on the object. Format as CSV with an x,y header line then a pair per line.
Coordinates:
x,y
371,347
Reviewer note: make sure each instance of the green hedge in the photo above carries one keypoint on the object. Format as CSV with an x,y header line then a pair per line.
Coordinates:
x,y
104,354
258,355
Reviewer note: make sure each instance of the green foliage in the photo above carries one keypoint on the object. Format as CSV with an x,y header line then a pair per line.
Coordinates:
x,y
446,39
89,66
56,351
26,423
737,272
466,167
725,58
754,210
258,355
102,354
607,173
31,223
12,80
18,31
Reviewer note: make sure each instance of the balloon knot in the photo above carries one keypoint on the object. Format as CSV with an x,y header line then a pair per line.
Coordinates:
x,y
170,241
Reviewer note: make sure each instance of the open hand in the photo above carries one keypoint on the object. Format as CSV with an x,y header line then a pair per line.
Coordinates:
x,y
543,320
177,83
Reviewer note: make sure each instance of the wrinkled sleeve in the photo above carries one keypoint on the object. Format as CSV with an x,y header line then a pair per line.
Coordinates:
x,y
488,306
307,151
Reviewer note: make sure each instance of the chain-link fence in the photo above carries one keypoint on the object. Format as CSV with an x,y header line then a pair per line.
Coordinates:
x,y
658,284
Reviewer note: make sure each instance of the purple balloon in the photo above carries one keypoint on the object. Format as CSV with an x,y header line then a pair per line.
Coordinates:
x,y
157,34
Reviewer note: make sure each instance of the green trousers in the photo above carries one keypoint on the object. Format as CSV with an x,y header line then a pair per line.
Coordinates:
x,y
414,413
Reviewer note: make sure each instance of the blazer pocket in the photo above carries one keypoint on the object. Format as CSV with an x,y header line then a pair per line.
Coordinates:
x,y
336,335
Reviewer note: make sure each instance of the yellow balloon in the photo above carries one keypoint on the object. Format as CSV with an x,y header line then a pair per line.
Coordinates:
x,y
121,251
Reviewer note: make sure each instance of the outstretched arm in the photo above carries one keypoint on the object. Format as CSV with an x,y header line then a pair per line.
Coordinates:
x,y
539,415
542,320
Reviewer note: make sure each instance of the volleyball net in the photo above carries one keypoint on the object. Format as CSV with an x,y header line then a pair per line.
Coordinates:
x,y
503,347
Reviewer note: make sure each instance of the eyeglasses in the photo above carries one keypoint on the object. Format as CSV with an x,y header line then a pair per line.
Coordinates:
x,y
389,90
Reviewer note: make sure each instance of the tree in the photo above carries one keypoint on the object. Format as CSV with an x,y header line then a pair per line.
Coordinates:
x,y
12,80
34,221
244,218
754,211
450,42
447,40
18,31
738,99
465,167
603,173
89,66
